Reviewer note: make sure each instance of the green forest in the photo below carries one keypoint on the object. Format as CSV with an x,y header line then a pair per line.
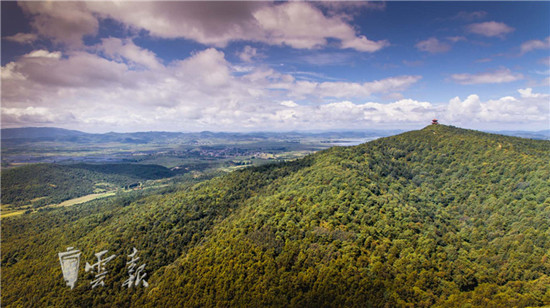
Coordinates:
x,y
439,217
42,184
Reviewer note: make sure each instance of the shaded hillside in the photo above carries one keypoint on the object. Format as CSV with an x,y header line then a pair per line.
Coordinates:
x,y
42,184
436,217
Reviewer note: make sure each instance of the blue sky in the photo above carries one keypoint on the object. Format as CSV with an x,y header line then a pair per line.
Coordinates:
x,y
251,66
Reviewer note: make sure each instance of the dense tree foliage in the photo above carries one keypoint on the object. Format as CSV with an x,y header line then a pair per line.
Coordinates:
x,y
440,217
42,184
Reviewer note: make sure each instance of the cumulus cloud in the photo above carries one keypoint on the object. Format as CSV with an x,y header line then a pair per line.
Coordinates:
x,y
301,25
80,69
85,91
296,24
42,53
22,38
526,108
535,44
346,114
198,92
352,89
404,110
119,49
248,54
490,29
433,45
210,23
35,115
290,104
41,78
498,76
63,22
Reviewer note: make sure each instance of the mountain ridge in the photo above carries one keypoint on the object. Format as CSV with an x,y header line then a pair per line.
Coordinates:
x,y
52,132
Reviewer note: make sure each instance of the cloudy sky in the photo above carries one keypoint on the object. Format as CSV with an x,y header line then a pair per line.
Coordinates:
x,y
254,66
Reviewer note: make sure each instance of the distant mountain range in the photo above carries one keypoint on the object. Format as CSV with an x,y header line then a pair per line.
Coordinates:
x,y
31,134
39,132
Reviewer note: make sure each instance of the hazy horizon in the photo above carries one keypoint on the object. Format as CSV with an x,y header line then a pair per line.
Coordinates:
x,y
271,131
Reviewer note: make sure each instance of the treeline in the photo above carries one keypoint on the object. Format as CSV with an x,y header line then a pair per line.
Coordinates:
x,y
440,217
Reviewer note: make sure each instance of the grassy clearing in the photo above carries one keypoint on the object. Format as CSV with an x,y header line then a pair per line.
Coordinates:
x,y
5,214
79,200
84,199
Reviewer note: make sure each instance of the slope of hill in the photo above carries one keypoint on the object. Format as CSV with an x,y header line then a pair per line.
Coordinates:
x,y
42,184
437,217
38,133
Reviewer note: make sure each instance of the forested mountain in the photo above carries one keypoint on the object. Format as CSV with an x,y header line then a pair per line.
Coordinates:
x,y
11,136
42,184
441,217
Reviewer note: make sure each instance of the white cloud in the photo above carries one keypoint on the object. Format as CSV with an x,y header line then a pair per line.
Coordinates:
x,y
208,68
41,53
352,89
404,110
40,77
63,22
199,92
528,93
117,49
535,44
545,61
529,107
23,38
490,29
301,25
433,45
84,91
296,24
248,53
290,104
211,23
35,115
346,114
498,76
456,39
361,43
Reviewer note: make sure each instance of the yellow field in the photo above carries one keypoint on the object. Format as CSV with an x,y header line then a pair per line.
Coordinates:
x,y
74,201
84,199
10,213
